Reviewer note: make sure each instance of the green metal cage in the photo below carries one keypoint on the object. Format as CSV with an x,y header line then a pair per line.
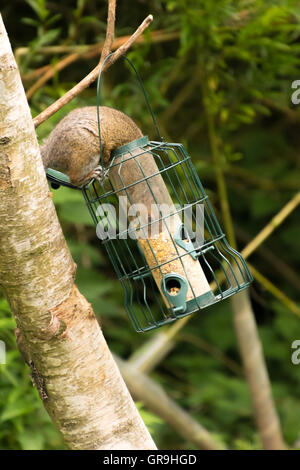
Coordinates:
x,y
224,268
172,262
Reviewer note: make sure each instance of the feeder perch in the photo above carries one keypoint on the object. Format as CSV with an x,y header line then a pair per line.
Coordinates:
x,y
160,232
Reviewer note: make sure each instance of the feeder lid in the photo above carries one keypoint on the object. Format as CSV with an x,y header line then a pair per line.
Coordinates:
x,y
57,179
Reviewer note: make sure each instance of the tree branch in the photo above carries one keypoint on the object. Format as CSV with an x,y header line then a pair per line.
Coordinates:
x,y
67,97
46,72
106,49
277,293
85,50
110,30
272,225
156,399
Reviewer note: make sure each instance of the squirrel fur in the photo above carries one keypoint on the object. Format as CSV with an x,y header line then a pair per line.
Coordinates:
x,y
73,145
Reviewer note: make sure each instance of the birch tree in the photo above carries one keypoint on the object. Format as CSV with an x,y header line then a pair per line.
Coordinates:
x,y
57,331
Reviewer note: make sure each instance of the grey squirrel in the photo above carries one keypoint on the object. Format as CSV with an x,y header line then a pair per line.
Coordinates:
x,y
73,145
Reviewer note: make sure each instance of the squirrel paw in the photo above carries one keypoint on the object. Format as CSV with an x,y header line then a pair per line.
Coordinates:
x,y
99,173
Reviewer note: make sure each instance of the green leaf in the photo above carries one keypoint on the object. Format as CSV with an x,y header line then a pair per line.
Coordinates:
x,y
30,22
39,7
16,409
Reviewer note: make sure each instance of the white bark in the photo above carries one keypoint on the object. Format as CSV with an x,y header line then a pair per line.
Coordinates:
x,y
58,333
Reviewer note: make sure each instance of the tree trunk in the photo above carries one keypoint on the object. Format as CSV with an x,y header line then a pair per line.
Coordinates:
x,y
256,372
60,338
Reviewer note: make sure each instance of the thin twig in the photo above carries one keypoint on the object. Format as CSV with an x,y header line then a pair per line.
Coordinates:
x,y
45,73
273,259
84,52
213,351
173,75
272,225
110,30
292,115
67,97
27,77
50,72
105,48
144,389
159,35
180,99
275,291
254,179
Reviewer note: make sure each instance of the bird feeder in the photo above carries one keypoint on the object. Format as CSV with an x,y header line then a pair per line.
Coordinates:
x,y
160,232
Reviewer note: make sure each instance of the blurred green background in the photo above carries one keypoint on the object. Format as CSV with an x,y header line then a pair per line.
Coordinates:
x,y
219,77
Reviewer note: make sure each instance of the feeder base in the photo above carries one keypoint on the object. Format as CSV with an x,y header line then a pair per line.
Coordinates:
x,y
202,301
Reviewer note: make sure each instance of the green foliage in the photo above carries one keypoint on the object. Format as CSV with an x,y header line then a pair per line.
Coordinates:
x,y
153,423
45,32
24,424
234,61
